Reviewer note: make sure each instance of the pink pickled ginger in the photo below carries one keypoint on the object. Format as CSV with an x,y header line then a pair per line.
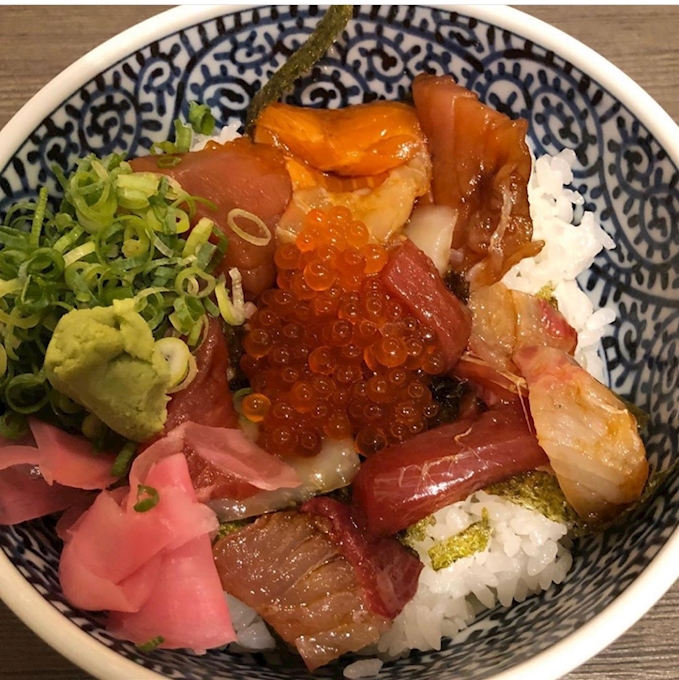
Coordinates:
x,y
47,472
152,570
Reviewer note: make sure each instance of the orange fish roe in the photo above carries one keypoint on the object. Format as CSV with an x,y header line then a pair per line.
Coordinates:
x,y
329,353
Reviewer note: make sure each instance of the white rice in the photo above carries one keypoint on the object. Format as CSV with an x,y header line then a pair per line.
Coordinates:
x,y
226,134
252,634
526,554
573,237
365,668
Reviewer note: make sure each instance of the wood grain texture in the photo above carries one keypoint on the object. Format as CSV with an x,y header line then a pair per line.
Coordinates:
x,y
36,43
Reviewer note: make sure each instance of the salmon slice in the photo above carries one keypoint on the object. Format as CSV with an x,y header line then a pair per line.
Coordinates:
x,y
359,140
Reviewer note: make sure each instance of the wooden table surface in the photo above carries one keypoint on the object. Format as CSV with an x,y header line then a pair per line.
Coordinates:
x,y
36,43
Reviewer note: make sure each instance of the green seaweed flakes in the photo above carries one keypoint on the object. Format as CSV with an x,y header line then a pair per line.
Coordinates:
x,y
539,491
473,539
417,532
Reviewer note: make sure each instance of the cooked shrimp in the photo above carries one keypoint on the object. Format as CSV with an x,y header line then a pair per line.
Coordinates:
x,y
370,158
588,434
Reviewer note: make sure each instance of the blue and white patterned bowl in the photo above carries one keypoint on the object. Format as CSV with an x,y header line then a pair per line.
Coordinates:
x,y
125,95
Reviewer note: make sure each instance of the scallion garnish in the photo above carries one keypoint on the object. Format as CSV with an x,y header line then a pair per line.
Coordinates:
x,y
263,229
152,644
201,119
123,462
147,498
13,425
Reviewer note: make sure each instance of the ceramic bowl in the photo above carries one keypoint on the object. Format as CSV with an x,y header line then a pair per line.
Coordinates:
x,y
125,95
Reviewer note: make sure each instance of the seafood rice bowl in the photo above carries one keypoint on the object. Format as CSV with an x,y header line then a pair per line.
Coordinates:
x,y
324,355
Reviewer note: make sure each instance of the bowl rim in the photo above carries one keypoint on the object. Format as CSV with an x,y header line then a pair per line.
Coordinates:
x,y
564,656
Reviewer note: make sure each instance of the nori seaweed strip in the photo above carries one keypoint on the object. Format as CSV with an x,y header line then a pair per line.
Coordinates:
x,y
316,45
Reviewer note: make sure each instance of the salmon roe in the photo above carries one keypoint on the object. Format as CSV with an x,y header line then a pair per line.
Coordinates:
x,y
329,353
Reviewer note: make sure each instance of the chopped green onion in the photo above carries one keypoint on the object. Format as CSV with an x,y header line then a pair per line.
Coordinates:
x,y
199,235
38,218
328,30
78,253
13,425
147,498
232,311
167,161
152,644
250,238
201,119
92,427
123,462
117,234
180,361
27,393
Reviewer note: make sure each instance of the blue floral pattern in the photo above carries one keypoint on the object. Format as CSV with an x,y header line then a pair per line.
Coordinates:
x,y
625,175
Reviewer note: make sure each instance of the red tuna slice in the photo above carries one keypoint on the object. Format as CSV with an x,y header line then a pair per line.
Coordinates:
x,y
239,174
186,606
402,484
411,277
70,460
208,401
387,572
111,543
288,568
481,165
25,495
242,467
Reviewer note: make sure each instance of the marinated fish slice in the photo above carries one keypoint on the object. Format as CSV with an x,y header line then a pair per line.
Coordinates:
x,y
242,175
287,568
481,166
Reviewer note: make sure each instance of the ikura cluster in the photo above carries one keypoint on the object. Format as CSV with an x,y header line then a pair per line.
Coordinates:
x,y
329,353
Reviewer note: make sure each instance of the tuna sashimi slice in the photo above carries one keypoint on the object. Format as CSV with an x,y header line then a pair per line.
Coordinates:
x,y
411,277
387,573
207,399
243,175
287,568
402,484
207,404
242,468
186,606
